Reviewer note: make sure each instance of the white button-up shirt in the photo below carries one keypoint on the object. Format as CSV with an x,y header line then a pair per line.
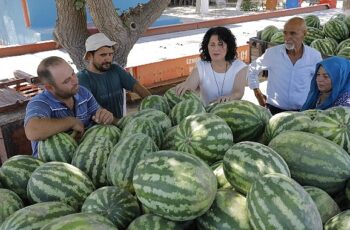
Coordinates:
x,y
287,85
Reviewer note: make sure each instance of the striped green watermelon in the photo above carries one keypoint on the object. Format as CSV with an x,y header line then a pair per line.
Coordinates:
x,y
334,124
286,121
268,32
218,170
211,106
347,22
155,102
148,127
124,156
229,211
169,139
175,185
153,222
334,43
59,147
114,203
278,202
80,221
205,135
59,181
185,108
173,99
91,157
277,38
35,216
313,160
248,161
339,16
339,222
147,114
247,121
313,34
336,29
343,44
16,171
312,21
109,131
326,206
312,113
344,52
324,46
10,202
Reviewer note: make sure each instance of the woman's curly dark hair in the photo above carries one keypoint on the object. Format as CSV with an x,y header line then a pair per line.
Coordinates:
x,y
224,35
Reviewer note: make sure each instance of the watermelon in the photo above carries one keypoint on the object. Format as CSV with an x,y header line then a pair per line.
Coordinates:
x,y
277,38
247,161
313,160
218,170
285,121
339,222
91,157
339,16
326,206
148,127
169,139
59,181
155,102
276,201
343,44
35,216
173,99
153,222
59,147
147,114
344,52
205,135
116,204
312,21
80,221
268,32
246,120
16,171
313,34
336,29
109,131
124,156
10,202
175,185
324,46
229,211
312,113
185,108
333,42
334,124
347,22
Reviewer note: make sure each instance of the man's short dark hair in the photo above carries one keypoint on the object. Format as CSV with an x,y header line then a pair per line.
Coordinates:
x,y
43,71
224,35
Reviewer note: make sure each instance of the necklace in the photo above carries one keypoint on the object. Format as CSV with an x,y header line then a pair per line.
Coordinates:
x,y
220,92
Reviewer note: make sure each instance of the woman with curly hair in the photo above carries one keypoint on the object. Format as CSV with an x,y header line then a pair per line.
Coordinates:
x,y
219,75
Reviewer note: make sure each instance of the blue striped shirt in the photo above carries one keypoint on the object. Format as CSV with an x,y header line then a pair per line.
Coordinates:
x,y
45,105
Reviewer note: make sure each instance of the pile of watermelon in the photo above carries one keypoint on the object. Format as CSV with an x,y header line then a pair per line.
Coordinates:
x,y
175,164
331,38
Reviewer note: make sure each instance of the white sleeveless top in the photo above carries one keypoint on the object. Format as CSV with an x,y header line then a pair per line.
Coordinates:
x,y
210,89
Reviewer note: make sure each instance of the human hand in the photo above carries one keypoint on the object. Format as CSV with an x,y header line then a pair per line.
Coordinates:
x,y
180,89
260,97
223,99
103,116
78,129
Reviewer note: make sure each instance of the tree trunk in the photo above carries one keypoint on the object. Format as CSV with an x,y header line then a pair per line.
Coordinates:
x,y
71,30
125,30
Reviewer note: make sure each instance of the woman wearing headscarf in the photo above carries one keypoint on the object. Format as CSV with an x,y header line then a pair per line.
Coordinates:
x,y
330,86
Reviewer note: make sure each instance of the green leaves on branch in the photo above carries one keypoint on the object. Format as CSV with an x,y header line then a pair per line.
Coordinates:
x,y
79,4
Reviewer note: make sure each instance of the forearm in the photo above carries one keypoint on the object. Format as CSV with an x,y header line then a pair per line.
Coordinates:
x,y
141,90
42,128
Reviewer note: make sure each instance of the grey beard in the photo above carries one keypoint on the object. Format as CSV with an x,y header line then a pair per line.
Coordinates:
x,y
289,46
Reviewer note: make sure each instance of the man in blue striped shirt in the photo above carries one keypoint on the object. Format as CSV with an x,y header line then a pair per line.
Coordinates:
x,y
63,106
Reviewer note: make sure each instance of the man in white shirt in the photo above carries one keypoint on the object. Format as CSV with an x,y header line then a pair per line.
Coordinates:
x,y
290,66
